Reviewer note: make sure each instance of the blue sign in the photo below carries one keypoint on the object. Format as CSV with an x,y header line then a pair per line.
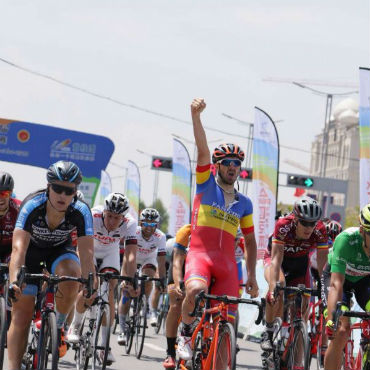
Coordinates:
x,y
40,145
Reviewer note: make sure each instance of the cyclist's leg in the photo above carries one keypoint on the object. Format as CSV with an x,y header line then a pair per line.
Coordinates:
x,y
197,278
272,310
23,309
65,262
336,345
156,294
22,313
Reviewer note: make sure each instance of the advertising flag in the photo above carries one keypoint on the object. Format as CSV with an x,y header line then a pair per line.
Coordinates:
x,y
133,188
181,187
40,145
364,122
105,188
265,177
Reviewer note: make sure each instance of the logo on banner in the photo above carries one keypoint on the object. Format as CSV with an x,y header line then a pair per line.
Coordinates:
x,y
65,149
23,136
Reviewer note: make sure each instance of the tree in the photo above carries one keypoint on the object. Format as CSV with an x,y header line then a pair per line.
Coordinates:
x,y
141,205
352,216
158,205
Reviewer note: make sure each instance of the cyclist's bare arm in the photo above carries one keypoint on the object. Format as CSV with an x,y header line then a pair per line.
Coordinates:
x,y
322,258
86,253
129,260
197,107
277,255
250,253
21,240
161,266
335,292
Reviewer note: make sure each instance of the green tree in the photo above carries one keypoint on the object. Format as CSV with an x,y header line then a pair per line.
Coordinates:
x,y
158,205
141,205
352,216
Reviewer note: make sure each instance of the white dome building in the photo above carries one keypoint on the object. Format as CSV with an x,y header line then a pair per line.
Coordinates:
x,y
343,150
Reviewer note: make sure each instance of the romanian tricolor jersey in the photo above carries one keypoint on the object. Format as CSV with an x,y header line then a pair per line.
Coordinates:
x,y
214,226
285,235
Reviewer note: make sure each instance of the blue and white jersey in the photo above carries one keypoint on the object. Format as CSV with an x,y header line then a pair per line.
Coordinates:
x,y
32,218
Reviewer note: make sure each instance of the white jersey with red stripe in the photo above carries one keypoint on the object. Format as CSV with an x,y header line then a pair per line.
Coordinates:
x,y
105,240
150,249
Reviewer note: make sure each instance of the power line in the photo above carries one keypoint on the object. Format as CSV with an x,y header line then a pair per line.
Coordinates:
x,y
142,109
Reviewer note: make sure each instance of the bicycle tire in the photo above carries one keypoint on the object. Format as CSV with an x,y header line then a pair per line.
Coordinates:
x,y
102,310
160,315
319,360
48,343
196,359
3,329
88,348
131,327
141,324
300,336
226,336
80,348
116,304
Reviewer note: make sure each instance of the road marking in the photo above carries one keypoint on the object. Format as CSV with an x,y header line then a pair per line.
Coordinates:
x,y
153,346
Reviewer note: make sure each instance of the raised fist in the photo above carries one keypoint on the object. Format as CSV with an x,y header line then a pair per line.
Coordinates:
x,y
197,106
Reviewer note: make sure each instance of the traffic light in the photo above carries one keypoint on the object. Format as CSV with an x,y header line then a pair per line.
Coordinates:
x,y
300,181
245,174
162,163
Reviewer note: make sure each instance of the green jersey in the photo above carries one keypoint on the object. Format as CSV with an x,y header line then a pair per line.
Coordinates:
x,y
347,256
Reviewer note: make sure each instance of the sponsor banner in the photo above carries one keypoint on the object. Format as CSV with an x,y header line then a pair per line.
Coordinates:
x,y
364,122
105,188
133,189
40,145
181,187
265,177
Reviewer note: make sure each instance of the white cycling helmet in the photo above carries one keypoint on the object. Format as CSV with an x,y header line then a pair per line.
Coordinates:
x,y
116,203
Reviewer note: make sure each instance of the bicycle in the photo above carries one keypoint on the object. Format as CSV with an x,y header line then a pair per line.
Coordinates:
x,y
362,360
162,312
88,347
291,347
3,312
43,348
213,341
315,332
137,322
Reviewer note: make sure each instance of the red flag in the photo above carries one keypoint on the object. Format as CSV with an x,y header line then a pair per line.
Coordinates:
x,y
299,192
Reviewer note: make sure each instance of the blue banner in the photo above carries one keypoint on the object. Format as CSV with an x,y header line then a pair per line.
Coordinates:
x,y
40,145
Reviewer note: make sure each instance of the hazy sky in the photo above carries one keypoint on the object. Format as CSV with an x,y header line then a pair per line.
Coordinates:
x,y
161,54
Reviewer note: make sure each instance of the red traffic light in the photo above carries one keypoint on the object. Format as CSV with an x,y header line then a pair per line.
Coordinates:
x,y
157,163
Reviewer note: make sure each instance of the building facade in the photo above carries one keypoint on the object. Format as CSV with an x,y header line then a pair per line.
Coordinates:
x,y
343,151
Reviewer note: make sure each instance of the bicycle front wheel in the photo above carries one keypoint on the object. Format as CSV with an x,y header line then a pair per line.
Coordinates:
x,y
142,309
300,350
48,352
101,348
3,328
160,314
226,348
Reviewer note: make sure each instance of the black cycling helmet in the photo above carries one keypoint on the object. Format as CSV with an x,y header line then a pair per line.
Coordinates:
x,y
333,228
307,209
150,214
6,181
227,151
116,203
64,171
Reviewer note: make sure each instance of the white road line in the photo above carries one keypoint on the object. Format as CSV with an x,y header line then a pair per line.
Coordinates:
x,y
153,346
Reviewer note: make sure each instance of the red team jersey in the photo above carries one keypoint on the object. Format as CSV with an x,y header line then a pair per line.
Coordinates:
x,y
7,224
285,235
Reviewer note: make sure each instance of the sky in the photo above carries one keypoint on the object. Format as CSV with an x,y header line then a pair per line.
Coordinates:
x,y
159,55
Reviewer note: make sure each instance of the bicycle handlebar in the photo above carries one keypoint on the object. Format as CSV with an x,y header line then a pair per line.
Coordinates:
x,y
109,275
229,299
338,313
300,289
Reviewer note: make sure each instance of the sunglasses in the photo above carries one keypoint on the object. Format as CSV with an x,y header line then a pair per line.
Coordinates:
x,y
149,224
307,223
227,162
59,189
5,193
